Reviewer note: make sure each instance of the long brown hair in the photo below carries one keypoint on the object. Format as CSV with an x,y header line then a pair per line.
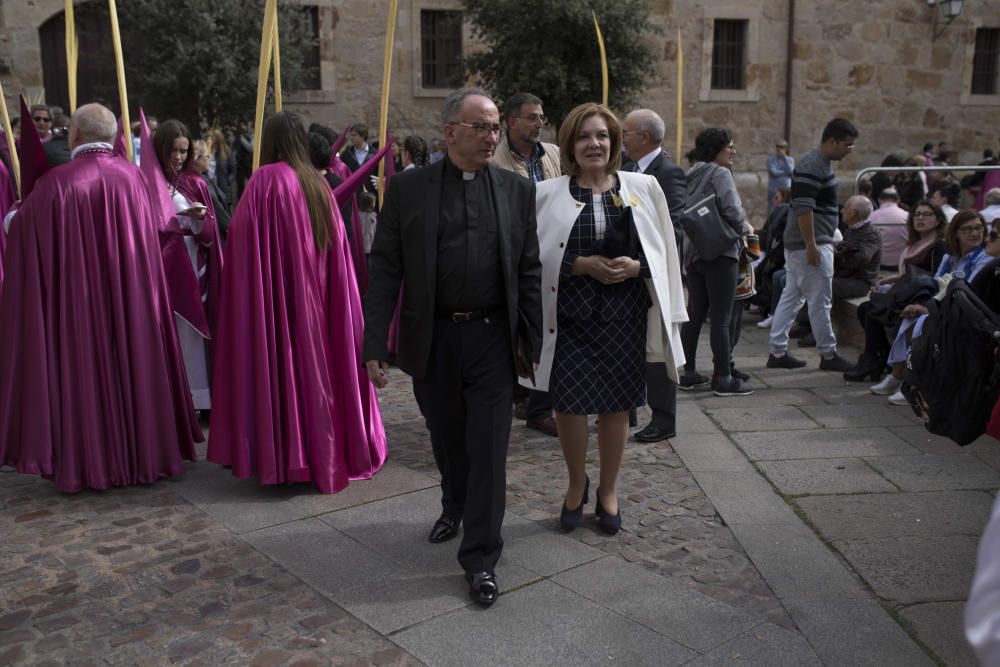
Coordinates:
x,y
284,140
163,143
217,141
942,221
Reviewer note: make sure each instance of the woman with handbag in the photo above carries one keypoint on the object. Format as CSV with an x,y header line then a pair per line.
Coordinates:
x,y
609,269
714,223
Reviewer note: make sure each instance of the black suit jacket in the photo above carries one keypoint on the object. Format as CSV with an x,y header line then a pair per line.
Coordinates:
x,y
347,155
672,181
405,251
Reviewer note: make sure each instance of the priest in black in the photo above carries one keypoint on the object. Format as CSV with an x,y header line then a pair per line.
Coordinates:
x,y
459,235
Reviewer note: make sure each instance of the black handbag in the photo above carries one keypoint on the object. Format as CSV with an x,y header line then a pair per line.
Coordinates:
x,y
705,227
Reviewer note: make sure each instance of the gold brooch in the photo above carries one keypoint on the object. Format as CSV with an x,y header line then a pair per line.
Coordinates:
x,y
635,202
616,199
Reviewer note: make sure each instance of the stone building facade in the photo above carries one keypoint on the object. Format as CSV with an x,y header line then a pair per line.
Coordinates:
x,y
877,64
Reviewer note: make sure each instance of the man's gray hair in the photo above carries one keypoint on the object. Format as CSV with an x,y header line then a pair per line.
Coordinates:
x,y
992,197
861,205
453,103
648,121
95,122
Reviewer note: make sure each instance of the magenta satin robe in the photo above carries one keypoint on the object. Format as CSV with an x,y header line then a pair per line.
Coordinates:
x,y
92,386
291,400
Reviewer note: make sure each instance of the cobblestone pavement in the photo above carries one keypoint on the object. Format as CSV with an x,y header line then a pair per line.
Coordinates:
x,y
138,576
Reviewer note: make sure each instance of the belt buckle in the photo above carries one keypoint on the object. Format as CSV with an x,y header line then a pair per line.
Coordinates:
x,y
460,317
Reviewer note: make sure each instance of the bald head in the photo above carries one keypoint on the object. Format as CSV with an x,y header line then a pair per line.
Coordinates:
x,y
90,123
642,133
861,206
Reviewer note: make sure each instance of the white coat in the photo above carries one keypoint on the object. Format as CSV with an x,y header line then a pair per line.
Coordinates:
x,y
557,211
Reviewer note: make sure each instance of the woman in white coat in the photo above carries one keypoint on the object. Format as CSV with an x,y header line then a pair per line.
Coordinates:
x,y
610,274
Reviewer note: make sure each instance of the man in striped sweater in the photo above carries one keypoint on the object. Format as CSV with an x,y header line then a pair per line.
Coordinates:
x,y
809,250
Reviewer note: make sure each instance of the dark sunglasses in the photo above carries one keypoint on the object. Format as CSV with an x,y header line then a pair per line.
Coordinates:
x,y
41,119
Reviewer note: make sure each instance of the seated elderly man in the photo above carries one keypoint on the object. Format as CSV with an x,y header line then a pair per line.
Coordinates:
x,y
992,210
856,259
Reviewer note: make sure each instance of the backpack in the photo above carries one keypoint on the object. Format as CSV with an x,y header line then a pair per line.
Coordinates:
x,y
952,376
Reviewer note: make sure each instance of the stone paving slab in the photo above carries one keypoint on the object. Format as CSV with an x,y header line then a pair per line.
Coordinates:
x,y
692,420
689,618
382,592
759,399
933,473
750,417
796,564
542,624
847,394
898,514
859,633
914,569
857,416
763,645
746,498
393,479
821,443
820,476
940,626
241,505
709,453
809,377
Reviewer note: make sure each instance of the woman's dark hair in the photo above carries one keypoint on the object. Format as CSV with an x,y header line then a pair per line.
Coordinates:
x,y
928,147
951,191
163,142
892,160
942,221
284,140
319,150
325,132
709,143
951,236
417,148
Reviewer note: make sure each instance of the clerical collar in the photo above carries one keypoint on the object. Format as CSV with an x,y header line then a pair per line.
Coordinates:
x,y
93,147
454,172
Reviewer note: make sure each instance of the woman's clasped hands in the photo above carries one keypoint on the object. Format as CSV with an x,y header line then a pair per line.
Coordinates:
x,y
606,270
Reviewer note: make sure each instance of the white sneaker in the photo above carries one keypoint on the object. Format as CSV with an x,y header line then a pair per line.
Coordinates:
x,y
898,398
888,385
765,323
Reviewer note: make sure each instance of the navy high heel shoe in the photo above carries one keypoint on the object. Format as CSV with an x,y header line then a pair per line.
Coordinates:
x,y
570,519
609,524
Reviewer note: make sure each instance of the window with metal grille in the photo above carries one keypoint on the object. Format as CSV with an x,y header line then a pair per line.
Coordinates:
x,y
729,47
984,62
441,48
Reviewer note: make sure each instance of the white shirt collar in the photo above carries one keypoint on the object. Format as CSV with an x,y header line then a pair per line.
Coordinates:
x,y
91,146
648,158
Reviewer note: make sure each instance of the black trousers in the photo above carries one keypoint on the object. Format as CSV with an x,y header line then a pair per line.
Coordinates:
x,y
465,398
661,394
711,291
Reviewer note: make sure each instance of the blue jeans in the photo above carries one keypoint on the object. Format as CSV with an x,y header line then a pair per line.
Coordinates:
x,y
812,285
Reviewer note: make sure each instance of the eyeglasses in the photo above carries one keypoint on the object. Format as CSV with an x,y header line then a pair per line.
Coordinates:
x,y
41,119
483,130
972,229
924,214
533,118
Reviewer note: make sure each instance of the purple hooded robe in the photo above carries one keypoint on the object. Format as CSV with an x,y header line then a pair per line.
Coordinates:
x,y
92,386
291,399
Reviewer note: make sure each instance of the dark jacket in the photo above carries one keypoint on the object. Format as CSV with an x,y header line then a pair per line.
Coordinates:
x,y
225,177
672,181
405,247
859,255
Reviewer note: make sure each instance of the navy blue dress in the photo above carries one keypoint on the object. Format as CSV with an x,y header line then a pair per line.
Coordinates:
x,y
600,355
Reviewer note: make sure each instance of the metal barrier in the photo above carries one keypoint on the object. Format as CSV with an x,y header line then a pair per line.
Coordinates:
x,y
898,170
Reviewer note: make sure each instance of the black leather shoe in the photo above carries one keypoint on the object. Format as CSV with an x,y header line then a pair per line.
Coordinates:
x,y
483,587
609,524
570,519
869,367
443,529
653,433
